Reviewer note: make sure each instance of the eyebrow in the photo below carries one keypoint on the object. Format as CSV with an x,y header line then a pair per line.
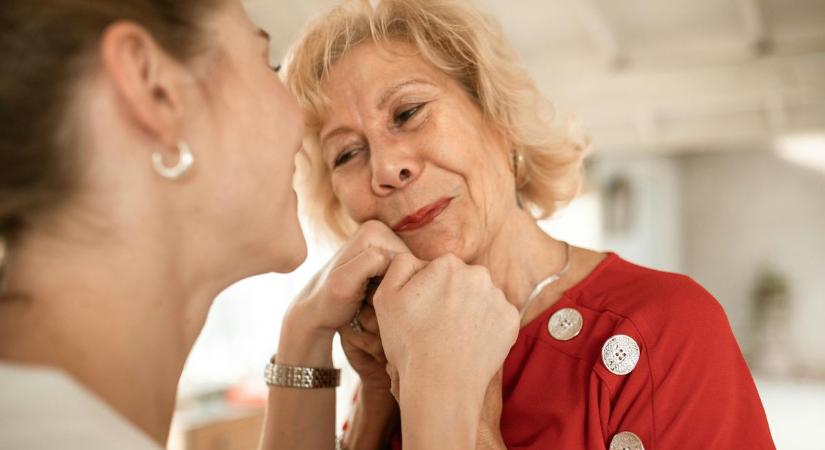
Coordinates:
x,y
326,137
262,33
392,90
385,97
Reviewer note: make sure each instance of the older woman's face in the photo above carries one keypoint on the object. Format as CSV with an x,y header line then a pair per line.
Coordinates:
x,y
406,145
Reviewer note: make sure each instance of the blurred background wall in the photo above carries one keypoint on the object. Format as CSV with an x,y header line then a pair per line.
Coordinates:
x,y
708,121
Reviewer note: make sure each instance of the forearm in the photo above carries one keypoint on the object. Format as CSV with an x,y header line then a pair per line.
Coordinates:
x,y
435,415
373,420
301,418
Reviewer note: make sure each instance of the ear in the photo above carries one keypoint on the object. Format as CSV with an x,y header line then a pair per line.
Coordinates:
x,y
144,77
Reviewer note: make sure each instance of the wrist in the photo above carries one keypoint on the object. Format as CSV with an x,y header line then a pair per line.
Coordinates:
x,y
435,414
303,315
373,420
423,370
302,343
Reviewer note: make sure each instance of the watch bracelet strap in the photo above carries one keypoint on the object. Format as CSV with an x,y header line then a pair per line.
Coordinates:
x,y
301,377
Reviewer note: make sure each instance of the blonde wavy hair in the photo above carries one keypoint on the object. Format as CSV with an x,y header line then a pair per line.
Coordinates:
x,y
465,44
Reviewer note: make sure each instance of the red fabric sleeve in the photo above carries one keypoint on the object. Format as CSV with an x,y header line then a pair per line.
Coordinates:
x,y
692,387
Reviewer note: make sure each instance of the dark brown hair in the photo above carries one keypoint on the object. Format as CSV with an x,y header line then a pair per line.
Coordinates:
x,y
46,46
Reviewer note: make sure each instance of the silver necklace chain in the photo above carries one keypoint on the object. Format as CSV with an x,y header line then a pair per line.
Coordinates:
x,y
547,282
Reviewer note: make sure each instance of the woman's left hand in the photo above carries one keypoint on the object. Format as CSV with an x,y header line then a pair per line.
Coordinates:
x,y
489,427
365,352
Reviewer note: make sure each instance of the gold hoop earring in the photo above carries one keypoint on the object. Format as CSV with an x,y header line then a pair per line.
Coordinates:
x,y
185,161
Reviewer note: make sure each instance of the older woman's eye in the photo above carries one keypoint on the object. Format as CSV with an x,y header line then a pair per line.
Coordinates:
x,y
345,156
407,114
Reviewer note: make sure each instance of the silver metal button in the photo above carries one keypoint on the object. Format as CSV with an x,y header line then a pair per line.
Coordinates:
x,y
620,354
626,441
565,324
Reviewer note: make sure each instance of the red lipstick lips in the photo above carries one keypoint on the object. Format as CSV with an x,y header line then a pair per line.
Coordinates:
x,y
423,216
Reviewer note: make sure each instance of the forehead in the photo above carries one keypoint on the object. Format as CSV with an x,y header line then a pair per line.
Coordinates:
x,y
367,70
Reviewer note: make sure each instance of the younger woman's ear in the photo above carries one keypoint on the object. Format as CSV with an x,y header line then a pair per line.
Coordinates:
x,y
144,78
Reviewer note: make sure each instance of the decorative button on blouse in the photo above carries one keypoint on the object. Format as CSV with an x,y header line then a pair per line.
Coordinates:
x,y
565,324
626,441
620,354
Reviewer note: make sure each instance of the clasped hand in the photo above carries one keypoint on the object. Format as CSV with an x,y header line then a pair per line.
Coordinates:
x,y
438,320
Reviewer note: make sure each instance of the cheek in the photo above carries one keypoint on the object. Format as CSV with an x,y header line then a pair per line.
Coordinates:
x,y
287,115
490,189
500,177
354,195
496,191
460,147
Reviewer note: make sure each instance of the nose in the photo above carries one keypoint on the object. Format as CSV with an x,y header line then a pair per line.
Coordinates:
x,y
393,168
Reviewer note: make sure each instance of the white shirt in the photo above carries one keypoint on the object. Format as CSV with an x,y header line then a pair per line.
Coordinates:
x,y
43,408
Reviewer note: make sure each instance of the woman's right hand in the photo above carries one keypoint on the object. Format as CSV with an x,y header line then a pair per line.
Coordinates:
x,y
335,294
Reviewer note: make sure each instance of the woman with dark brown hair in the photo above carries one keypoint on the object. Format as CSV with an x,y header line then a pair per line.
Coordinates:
x,y
146,159
127,159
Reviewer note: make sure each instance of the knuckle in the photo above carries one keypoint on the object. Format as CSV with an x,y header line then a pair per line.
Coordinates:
x,y
481,273
453,259
372,227
379,301
375,347
498,296
349,338
437,263
370,324
404,258
359,342
447,260
337,289
375,254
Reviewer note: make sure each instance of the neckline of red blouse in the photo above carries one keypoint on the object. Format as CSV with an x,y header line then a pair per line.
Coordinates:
x,y
572,292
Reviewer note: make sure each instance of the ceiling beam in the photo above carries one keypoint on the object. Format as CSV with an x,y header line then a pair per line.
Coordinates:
x,y
604,36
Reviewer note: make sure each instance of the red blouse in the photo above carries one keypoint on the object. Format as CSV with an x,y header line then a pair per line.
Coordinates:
x,y
683,385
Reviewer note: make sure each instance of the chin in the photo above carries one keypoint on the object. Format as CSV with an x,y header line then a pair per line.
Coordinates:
x,y
431,246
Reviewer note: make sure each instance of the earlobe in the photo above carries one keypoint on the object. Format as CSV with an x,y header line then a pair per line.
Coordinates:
x,y
143,77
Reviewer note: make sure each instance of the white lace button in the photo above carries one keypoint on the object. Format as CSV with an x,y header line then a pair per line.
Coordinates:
x,y
565,324
626,441
620,354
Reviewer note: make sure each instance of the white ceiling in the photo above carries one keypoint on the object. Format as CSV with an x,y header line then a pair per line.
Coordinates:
x,y
655,75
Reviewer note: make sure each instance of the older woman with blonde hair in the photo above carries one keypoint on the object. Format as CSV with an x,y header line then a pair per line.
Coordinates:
x,y
419,117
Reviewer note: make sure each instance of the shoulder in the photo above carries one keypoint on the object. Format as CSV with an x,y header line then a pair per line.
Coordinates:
x,y
655,302
44,408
